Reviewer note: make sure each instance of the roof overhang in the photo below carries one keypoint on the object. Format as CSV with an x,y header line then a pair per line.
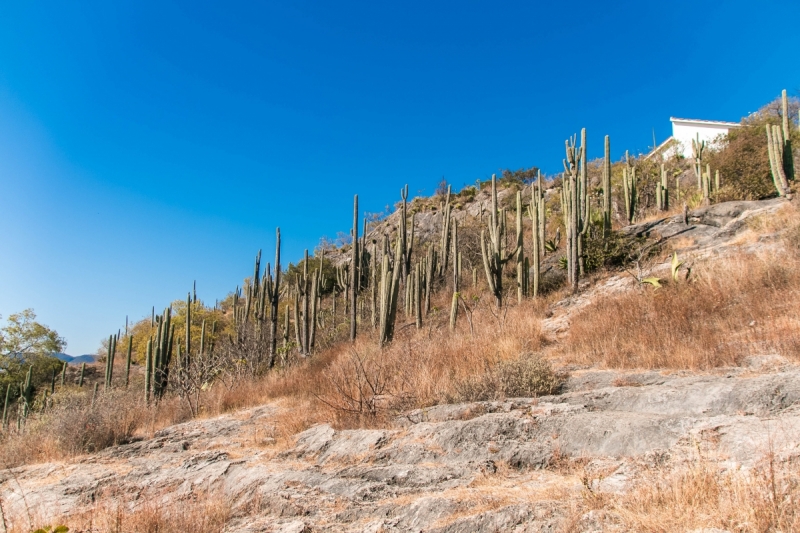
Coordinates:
x,y
704,122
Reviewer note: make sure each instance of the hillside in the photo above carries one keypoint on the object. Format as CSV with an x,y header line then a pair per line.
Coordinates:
x,y
672,409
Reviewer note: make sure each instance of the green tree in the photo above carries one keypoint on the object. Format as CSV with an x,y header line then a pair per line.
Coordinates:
x,y
24,342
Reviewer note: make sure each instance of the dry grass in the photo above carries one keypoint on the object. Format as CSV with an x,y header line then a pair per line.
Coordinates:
x,y
727,311
424,367
73,426
117,513
703,495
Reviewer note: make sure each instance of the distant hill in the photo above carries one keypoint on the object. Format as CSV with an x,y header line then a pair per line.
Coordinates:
x,y
86,358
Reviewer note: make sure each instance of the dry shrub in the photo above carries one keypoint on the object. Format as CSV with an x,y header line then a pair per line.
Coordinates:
x,y
728,310
528,376
704,495
74,426
363,384
743,161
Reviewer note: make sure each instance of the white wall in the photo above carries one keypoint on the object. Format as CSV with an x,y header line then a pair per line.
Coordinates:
x,y
685,131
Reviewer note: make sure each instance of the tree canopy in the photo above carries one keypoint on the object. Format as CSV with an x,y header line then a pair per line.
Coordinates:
x,y
24,342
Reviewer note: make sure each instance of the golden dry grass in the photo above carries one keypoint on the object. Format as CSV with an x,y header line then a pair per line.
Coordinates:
x,y
117,513
704,495
726,311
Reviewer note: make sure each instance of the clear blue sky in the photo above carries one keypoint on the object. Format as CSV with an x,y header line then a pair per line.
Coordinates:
x,y
144,144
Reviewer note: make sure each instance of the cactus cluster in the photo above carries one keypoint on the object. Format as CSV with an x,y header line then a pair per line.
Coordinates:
x,y
537,213
662,191
575,206
495,252
779,146
394,269
630,190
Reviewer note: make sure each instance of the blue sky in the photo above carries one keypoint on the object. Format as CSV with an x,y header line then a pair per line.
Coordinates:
x,y
144,145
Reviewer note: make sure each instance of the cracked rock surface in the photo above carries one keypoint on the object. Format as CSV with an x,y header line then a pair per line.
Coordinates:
x,y
434,468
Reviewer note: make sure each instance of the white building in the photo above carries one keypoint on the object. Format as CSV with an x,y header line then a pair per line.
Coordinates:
x,y
684,130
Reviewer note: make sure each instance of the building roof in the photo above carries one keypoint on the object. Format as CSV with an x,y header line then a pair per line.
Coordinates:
x,y
710,122
669,140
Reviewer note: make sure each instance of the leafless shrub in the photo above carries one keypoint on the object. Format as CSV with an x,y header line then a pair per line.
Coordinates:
x,y
73,425
527,376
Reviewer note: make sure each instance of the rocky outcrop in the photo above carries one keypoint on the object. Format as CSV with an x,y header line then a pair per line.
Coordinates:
x,y
432,468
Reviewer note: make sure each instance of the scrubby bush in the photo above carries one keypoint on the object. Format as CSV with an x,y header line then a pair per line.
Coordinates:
x,y
742,159
528,376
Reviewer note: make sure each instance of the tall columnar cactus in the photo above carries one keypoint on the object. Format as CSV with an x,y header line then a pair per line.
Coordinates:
x,y
630,189
708,185
775,147
406,240
274,286
165,338
417,296
306,290
606,187
788,154
5,405
148,370
343,280
354,274
127,363
112,350
26,392
82,374
390,274
698,147
575,205
454,302
430,269
662,191
495,255
373,286
536,211
584,215
63,373
520,255
444,244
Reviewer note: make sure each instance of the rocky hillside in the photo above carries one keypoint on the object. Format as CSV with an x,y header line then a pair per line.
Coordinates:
x,y
614,450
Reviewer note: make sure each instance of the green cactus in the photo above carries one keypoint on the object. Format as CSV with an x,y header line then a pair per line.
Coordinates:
x,y
83,372
788,159
495,256
444,243
148,370
390,273
112,344
698,147
775,146
274,286
606,187
354,273
26,393
5,405
417,296
431,267
456,288
630,189
662,191
536,211
63,373
575,206
520,255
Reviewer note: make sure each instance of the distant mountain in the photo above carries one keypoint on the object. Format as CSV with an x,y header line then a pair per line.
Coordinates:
x,y
86,358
